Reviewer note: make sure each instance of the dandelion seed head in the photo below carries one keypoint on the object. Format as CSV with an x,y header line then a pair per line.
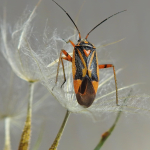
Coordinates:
x,y
105,101
17,49
14,94
35,58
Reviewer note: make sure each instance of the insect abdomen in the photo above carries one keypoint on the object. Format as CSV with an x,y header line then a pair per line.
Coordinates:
x,y
86,93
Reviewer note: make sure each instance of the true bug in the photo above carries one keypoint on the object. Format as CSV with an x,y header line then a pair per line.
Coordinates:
x,y
85,68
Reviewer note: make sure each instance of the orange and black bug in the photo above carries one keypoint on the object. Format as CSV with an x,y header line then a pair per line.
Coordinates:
x,y
85,68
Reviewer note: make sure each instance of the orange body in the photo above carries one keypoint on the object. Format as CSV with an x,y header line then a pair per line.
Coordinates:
x,y
85,68
85,72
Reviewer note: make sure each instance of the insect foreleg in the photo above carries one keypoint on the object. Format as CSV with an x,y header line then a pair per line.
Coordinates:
x,y
69,41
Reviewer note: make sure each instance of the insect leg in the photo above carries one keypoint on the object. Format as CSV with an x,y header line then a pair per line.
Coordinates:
x,y
108,66
68,58
69,41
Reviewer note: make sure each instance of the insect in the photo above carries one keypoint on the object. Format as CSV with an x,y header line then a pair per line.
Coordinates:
x,y
85,68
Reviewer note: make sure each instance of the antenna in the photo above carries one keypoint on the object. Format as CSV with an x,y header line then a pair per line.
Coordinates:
x,y
71,20
104,21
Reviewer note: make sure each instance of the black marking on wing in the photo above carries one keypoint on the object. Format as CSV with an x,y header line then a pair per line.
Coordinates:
x,y
80,66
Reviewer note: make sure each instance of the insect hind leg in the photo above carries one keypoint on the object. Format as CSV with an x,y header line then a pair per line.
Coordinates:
x,y
108,66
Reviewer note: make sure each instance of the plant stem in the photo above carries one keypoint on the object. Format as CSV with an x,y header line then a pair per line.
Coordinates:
x,y
108,133
59,134
7,134
26,134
